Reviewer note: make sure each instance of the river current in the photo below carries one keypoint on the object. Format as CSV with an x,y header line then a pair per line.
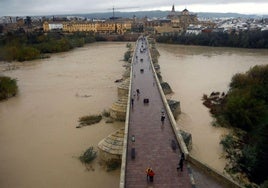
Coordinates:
x,y
39,143
193,71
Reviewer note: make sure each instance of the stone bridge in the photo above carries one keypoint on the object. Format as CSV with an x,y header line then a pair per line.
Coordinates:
x,y
149,139
150,142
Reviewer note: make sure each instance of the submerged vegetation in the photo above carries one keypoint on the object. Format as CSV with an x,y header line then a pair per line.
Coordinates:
x,y
245,109
105,113
8,87
89,120
128,53
89,155
113,164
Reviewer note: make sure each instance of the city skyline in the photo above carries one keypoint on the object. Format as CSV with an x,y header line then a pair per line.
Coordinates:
x,y
49,7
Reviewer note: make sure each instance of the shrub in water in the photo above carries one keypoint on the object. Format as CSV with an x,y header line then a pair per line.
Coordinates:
x,y
8,87
88,156
106,113
113,164
88,120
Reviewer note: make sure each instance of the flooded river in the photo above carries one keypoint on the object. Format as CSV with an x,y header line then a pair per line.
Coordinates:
x,y
193,71
39,143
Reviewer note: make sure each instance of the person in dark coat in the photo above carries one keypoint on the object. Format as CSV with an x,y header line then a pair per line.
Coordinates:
x,y
138,92
182,156
147,173
132,101
180,165
162,118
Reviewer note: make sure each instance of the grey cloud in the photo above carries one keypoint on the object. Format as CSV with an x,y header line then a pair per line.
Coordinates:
x,y
37,7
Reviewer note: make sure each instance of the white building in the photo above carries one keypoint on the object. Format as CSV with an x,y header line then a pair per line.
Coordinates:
x,y
194,29
55,26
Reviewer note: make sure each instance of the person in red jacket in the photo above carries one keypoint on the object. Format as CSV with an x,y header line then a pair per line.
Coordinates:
x,y
150,174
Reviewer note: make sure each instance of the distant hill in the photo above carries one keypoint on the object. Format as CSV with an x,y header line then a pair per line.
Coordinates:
x,y
162,14
228,15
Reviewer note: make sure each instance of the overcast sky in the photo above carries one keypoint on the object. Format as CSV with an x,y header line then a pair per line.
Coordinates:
x,y
49,7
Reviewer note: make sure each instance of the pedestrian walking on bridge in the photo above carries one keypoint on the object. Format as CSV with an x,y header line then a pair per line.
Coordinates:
x,y
180,165
150,174
138,92
163,118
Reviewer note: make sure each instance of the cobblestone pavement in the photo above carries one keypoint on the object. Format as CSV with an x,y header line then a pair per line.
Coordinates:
x,y
152,138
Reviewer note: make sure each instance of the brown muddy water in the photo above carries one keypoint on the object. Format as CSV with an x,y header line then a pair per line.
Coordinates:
x,y
39,143
193,71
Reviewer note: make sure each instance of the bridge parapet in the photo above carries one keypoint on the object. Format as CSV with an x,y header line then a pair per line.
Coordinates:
x,y
124,149
169,112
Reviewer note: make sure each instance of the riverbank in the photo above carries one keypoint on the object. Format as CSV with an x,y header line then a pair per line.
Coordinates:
x,y
20,46
243,39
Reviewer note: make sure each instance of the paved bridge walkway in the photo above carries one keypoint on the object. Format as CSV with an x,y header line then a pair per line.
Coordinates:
x,y
152,138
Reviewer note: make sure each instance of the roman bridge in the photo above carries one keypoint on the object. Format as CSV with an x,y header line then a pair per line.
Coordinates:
x,y
148,142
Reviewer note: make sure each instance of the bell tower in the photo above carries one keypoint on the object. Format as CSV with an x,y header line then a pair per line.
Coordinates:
x,y
173,8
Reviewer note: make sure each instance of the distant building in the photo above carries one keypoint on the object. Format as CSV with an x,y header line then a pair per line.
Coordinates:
x,y
182,19
194,30
265,28
173,14
79,26
177,22
55,26
107,27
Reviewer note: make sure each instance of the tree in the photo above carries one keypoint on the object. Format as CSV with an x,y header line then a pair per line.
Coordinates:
x,y
8,87
1,28
243,39
246,108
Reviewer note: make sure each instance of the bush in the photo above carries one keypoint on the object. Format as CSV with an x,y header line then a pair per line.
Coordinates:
x,y
129,46
8,87
127,55
89,120
28,53
110,120
245,108
106,113
113,164
264,184
88,156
